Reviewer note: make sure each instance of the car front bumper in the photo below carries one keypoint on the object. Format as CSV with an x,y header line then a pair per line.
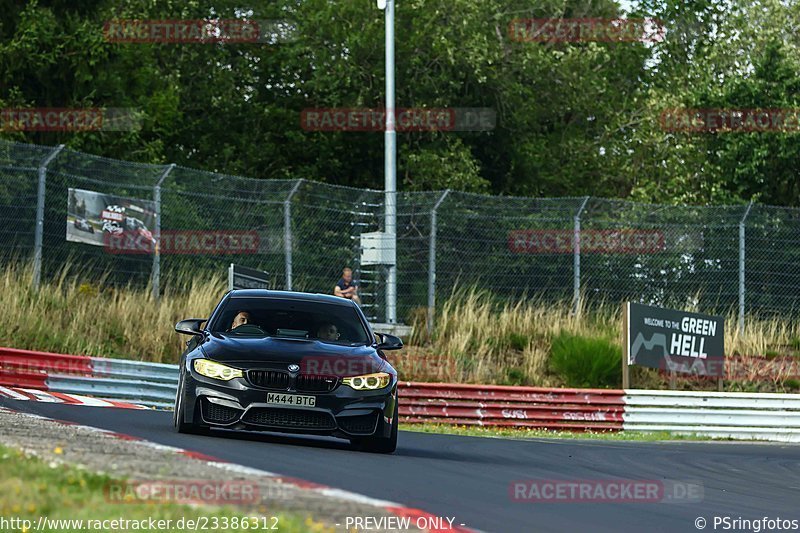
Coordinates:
x,y
236,404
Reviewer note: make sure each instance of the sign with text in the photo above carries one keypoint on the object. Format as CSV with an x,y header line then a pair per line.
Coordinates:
x,y
677,341
240,277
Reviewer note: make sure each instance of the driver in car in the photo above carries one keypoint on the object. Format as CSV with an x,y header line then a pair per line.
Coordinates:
x,y
241,318
328,332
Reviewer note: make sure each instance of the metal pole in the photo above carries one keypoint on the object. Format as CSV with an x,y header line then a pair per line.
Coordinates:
x,y
390,156
432,263
156,274
287,234
626,369
39,230
741,268
576,259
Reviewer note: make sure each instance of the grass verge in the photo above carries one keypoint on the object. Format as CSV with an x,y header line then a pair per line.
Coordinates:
x,y
526,433
31,488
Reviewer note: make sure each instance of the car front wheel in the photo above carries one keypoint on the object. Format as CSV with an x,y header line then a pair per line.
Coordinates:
x,y
178,418
380,444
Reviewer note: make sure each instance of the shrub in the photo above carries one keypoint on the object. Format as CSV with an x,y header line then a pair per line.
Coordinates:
x,y
791,384
586,362
514,376
517,341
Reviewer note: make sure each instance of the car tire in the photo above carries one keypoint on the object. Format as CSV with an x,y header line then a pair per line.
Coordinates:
x,y
178,422
381,444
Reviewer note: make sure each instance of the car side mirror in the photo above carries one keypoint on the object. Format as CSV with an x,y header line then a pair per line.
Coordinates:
x,y
389,342
190,326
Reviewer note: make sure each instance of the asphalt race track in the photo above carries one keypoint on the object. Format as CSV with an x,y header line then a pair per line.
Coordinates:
x,y
469,478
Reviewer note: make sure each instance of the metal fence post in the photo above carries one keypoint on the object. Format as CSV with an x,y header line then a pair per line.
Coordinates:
x,y
156,275
390,164
576,258
39,229
432,263
741,267
287,234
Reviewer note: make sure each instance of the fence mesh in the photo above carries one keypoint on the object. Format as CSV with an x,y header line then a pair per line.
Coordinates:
x,y
76,170
667,255
19,177
195,203
772,260
304,232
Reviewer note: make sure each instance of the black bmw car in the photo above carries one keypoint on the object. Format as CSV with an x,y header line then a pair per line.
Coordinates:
x,y
288,362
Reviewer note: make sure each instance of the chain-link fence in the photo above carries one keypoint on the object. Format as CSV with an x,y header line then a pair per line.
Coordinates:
x,y
568,250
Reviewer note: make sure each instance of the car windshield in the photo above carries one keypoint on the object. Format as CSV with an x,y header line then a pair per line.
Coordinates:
x,y
290,318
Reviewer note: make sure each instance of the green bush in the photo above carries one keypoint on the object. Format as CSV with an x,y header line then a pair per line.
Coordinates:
x,y
512,341
514,376
791,384
517,341
586,362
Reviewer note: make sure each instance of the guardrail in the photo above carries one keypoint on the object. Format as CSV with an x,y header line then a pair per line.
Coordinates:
x,y
505,406
151,384
763,416
736,415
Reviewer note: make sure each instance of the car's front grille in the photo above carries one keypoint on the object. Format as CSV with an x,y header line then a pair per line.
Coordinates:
x,y
220,414
289,418
359,425
310,383
269,379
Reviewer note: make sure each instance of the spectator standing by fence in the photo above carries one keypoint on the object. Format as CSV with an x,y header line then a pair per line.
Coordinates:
x,y
346,287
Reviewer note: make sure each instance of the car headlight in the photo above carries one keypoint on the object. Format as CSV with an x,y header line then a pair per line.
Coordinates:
x,y
211,369
368,381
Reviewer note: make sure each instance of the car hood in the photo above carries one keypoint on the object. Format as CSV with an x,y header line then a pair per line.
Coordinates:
x,y
313,357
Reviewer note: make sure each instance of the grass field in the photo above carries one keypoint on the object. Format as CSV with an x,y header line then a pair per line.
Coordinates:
x,y
476,339
31,488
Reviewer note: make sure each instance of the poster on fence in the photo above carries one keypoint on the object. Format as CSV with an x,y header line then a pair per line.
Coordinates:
x,y
675,341
96,218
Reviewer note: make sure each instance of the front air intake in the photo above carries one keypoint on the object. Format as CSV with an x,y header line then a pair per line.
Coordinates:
x,y
269,379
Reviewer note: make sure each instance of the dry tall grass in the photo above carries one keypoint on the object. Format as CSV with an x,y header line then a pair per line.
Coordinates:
x,y
70,316
476,338
506,342
510,342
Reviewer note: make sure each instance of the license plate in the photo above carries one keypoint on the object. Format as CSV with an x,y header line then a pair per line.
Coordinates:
x,y
291,399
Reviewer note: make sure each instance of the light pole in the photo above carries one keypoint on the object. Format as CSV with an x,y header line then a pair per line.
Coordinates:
x,y
390,164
